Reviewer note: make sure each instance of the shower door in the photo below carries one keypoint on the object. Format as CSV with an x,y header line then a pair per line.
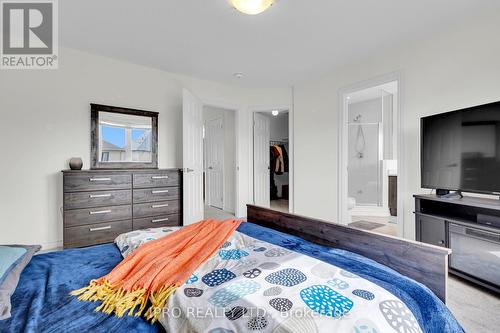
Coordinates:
x,y
364,156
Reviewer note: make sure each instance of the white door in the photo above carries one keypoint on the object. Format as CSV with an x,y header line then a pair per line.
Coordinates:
x,y
214,162
192,148
261,167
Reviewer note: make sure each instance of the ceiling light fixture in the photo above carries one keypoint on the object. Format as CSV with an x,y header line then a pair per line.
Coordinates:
x,y
238,75
251,7
275,113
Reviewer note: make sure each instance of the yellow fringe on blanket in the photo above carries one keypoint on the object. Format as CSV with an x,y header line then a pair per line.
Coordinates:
x,y
120,301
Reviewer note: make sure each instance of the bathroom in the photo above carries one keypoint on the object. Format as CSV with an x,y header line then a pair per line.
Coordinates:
x,y
372,158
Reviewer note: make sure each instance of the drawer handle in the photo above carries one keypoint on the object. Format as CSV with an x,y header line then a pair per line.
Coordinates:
x,y
159,177
100,212
159,220
159,192
95,196
100,179
159,206
100,228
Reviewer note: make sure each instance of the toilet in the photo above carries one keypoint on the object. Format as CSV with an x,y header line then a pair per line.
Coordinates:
x,y
351,203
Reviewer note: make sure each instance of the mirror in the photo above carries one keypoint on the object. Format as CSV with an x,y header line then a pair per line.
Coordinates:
x,y
123,138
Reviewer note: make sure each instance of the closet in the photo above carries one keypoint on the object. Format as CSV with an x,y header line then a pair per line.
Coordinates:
x,y
271,160
279,161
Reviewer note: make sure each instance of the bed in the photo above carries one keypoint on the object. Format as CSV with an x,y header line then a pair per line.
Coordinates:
x,y
41,302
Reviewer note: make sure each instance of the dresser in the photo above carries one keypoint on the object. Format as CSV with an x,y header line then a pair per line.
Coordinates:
x,y
98,205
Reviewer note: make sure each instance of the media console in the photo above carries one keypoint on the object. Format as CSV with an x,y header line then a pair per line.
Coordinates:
x,y
470,227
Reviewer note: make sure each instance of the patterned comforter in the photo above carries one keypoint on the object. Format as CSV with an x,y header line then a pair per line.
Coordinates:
x,y
251,285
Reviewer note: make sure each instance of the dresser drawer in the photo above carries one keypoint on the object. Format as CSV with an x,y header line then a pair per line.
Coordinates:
x,y
74,200
156,208
157,179
156,194
91,182
157,222
95,233
77,217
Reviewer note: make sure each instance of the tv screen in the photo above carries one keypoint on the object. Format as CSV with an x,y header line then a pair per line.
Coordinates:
x,y
460,150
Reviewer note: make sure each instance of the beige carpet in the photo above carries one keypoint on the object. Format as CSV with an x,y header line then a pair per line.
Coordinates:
x,y
477,310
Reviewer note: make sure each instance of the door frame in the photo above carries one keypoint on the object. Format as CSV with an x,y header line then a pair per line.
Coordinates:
x,y
223,166
238,111
343,141
291,148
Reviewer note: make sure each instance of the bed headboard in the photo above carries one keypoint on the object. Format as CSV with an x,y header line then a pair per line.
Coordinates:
x,y
424,263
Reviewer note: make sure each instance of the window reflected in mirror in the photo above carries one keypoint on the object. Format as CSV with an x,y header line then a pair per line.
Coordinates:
x,y
125,138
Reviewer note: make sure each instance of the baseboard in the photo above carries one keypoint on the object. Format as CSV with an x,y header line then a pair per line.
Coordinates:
x,y
51,246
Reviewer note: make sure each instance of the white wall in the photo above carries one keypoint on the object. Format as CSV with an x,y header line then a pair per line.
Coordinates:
x,y
228,116
448,71
45,120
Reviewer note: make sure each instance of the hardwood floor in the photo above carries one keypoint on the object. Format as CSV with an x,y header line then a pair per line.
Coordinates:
x,y
389,228
280,205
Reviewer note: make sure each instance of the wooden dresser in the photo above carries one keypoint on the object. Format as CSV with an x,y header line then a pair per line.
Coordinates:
x,y
101,204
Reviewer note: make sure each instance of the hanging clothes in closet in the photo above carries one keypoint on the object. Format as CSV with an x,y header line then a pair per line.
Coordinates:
x,y
279,165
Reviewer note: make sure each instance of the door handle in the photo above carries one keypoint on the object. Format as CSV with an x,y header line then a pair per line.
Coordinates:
x,y
210,168
188,170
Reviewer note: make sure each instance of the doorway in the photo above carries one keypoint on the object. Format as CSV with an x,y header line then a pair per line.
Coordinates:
x,y
219,162
369,161
272,160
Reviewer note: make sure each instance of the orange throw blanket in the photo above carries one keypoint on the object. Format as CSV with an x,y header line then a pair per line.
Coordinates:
x,y
156,269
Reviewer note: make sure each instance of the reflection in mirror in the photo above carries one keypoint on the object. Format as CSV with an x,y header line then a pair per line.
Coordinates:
x,y
125,138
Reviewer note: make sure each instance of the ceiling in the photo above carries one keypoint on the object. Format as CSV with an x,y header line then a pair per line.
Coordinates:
x,y
295,40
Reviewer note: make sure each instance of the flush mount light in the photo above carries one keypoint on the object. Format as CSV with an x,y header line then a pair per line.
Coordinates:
x,y
251,7
238,75
275,113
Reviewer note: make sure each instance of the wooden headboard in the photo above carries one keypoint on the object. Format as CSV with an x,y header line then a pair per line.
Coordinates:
x,y
424,263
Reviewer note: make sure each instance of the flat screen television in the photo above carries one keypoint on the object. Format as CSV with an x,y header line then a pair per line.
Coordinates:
x,y
460,150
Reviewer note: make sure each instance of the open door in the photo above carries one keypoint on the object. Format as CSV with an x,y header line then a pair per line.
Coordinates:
x,y
192,148
214,158
261,167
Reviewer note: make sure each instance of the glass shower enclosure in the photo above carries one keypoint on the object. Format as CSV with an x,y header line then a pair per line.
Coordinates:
x,y
364,163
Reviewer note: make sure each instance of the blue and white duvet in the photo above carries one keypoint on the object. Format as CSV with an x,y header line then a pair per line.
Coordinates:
x,y
251,285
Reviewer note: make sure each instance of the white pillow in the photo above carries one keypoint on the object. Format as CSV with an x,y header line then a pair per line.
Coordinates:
x,y
130,241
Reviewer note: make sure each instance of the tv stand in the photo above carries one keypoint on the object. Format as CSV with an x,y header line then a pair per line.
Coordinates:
x,y
470,227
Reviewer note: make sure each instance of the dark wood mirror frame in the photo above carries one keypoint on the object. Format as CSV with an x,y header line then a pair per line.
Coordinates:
x,y
94,138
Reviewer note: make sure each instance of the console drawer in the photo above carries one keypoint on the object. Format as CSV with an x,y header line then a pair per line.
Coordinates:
x,y
157,222
156,194
156,208
77,217
75,200
157,179
95,233
96,182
